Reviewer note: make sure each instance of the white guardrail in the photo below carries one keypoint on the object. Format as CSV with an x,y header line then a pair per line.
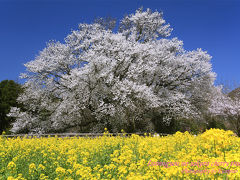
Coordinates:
x,y
80,135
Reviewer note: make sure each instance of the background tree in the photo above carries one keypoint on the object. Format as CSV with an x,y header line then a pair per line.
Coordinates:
x,y
9,91
134,79
227,106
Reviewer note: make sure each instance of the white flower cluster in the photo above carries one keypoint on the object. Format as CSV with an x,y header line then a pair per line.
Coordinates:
x,y
98,75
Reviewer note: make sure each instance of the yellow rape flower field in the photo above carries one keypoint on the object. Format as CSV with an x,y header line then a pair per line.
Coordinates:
x,y
215,154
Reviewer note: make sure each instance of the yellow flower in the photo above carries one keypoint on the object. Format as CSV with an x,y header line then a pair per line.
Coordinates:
x,y
69,171
135,157
10,178
100,170
32,166
43,177
41,167
11,165
60,171
32,169
122,169
84,160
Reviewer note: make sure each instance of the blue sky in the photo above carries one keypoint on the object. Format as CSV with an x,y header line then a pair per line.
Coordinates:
x,y
213,25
